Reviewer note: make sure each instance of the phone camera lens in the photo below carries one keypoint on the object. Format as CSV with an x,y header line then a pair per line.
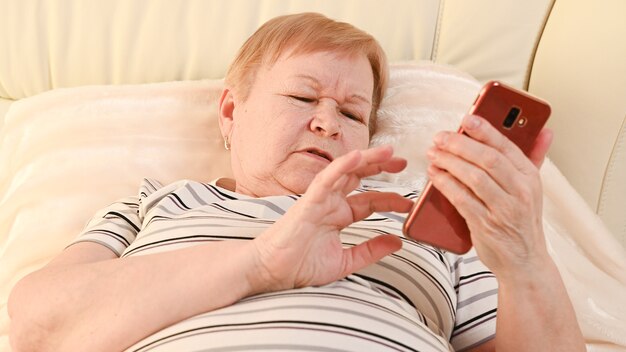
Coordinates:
x,y
511,116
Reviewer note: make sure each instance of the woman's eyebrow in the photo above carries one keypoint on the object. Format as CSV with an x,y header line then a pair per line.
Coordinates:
x,y
361,98
317,84
313,80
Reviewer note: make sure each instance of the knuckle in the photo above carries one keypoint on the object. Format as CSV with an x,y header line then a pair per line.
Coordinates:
x,y
478,178
505,213
492,159
526,190
526,196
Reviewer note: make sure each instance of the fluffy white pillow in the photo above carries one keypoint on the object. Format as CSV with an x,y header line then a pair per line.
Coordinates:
x,y
422,99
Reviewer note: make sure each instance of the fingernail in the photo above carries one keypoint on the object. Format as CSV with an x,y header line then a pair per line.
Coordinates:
x,y
441,138
471,122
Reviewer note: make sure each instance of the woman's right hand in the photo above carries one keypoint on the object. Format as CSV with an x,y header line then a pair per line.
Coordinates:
x,y
303,248
497,189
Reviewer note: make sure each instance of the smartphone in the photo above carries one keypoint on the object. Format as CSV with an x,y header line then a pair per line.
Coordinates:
x,y
516,114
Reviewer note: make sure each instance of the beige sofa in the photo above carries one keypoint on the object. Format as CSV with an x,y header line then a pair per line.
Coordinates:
x,y
570,53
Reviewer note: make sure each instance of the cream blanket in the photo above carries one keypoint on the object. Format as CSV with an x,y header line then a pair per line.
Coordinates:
x,y
66,153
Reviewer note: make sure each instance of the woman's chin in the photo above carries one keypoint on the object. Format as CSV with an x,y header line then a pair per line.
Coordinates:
x,y
297,183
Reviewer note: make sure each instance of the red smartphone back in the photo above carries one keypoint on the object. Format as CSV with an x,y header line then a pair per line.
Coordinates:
x,y
517,115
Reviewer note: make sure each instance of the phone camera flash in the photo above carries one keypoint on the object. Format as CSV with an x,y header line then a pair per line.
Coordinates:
x,y
521,121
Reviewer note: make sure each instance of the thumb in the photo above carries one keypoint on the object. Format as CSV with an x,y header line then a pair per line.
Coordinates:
x,y
369,252
540,147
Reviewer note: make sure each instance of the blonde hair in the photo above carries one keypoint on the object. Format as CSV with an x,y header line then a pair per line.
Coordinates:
x,y
306,33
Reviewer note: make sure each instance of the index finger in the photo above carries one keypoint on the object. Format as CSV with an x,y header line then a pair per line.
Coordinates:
x,y
342,174
353,162
366,203
481,130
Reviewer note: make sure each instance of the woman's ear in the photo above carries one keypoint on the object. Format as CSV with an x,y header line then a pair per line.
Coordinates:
x,y
227,108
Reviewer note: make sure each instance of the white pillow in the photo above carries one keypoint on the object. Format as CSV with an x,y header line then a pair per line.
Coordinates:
x,y
422,99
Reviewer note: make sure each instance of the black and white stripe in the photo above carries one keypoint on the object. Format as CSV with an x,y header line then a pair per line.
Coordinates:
x,y
417,299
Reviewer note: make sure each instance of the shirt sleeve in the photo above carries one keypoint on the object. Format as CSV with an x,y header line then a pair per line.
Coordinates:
x,y
114,226
117,225
477,301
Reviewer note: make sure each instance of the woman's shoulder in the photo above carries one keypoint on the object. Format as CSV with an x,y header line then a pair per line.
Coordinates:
x,y
151,186
153,191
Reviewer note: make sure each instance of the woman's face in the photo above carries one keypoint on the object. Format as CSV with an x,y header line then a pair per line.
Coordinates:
x,y
300,114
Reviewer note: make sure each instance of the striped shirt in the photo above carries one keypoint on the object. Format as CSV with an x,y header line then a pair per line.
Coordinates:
x,y
417,299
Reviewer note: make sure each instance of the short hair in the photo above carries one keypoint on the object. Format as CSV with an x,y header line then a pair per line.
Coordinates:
x,y
306,33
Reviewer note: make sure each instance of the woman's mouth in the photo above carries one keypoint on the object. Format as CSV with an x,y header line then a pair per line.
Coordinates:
x,y
319,154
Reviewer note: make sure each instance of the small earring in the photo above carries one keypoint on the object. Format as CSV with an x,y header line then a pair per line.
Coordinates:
x,y
226,143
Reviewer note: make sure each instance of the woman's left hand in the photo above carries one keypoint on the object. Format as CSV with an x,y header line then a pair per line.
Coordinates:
x,y
303,248
497,189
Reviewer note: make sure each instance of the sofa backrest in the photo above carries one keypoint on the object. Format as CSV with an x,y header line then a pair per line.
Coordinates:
x,y
53,44
580,68
571,53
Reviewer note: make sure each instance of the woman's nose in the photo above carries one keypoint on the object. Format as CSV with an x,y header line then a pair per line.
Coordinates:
x,y
325,122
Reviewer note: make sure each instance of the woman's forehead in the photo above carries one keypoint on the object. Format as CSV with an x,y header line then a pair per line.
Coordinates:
x,y
323,67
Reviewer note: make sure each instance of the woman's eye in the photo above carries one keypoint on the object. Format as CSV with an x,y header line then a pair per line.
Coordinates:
x,y
350,115
302,99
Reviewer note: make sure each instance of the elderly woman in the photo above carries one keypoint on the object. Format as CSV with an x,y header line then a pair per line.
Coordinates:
x,y
299,252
